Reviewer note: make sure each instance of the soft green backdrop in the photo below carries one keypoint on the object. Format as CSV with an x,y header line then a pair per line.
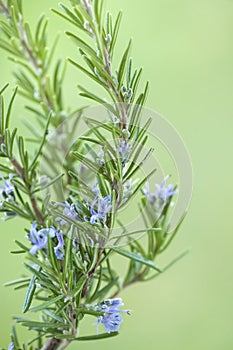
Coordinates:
x,y
186,49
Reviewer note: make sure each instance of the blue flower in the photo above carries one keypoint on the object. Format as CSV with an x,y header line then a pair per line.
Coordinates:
x,y
124,150
59,248
112,318
11,346
162,195
164,192
103,207
69,211
8,189
111,321
7,193
39,239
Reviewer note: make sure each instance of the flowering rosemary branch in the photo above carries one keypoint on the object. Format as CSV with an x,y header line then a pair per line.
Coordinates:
x,y
71,242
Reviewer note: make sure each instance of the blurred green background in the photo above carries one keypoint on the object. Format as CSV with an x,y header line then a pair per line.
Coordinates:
x,y
186,49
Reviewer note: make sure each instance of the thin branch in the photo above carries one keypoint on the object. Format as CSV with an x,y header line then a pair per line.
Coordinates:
x,y
4,10
20,171
52,344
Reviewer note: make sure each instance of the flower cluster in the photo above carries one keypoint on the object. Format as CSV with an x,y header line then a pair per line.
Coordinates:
x,y
124,150
162,195
39,240
100,207
69,211
112,318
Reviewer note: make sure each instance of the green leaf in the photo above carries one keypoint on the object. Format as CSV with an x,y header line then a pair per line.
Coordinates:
x,y
97,336
64,336
51,254
68,254
90,75
135,82
95,256
90,312
91,165
137,257
52,315
115,32
38,28
78,287
86,93
48,326
47,304
22,246
12,139
19,281
84,46
15,209
173,262
5,169
64,16
138,167
49,271
145,230
173,234
14,337
123,64
30,293
4,88
38,153
75,19
50,183
104,291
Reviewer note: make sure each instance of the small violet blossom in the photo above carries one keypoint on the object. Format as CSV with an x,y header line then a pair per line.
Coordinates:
x,y
39,239
162,194
8,189
104,206
7,194
69,211
59,248
11,346
124,150
112,318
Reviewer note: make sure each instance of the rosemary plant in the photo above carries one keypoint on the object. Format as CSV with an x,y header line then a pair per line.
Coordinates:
x,y
73,193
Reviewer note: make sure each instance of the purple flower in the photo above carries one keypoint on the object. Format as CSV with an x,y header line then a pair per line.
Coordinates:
x,y
39,239
124,150
59,248
11,346
162,195
111,321
164,192
103,207
8,189
69,211
7,193
112,318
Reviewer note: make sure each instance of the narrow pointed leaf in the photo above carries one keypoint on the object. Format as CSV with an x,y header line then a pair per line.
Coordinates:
x,y
137,257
